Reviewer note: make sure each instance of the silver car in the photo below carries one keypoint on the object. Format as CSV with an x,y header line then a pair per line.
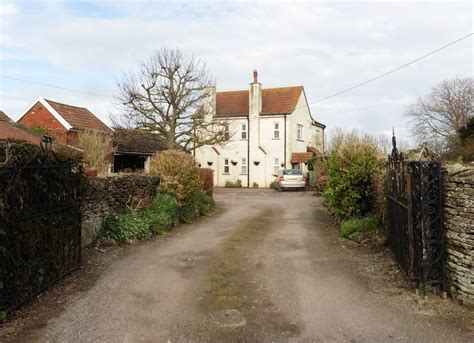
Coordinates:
x,y
290,179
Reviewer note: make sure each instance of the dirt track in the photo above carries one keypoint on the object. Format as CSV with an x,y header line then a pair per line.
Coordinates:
x,y
276,261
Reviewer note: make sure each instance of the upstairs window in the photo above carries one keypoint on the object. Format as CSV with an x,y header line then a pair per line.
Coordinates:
x,y
299,132
244,131
244,165
276,130
226,166
226,131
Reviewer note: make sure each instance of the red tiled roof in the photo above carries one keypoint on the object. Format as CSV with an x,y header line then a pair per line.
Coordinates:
x,y
12,131
79,117
274,101
300,157
4,117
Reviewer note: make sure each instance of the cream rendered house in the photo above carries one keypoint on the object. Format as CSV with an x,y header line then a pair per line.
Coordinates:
x,y
269,129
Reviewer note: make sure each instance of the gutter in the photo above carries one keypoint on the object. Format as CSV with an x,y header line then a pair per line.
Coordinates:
x,y
248,152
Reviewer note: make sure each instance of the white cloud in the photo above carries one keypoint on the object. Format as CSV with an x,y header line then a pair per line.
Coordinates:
x,y
324,46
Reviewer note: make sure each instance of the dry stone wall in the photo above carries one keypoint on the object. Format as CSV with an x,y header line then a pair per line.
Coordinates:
x,y
104,196
459,230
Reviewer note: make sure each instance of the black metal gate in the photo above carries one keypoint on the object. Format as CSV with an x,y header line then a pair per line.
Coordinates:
x,y
415,225
40,233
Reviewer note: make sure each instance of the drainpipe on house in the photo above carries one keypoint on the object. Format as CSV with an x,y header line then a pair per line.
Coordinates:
x,y
248,152
284,143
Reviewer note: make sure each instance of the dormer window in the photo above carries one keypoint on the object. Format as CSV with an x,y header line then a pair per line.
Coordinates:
x,y
244,131
276,130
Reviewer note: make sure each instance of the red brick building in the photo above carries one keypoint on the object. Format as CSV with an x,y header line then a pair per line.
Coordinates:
x,y
62,121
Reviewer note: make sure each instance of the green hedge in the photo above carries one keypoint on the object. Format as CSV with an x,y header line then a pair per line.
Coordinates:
x,y
352,170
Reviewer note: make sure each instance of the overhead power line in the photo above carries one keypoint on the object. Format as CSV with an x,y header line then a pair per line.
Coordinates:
x,y
54,86
391,71
310,103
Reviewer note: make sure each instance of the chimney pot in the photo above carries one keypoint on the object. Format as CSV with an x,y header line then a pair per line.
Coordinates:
x,y
255,76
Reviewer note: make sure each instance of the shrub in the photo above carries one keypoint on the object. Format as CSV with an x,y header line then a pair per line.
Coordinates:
x,y
352,169
206,176
159,222
178,173
204,203
125,226
236,184
39,131
96,147
165,210
368,223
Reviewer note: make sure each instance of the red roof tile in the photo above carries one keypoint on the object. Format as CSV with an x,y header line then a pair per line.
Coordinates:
x,y
4,117
79,117
12,131
274,101
300,157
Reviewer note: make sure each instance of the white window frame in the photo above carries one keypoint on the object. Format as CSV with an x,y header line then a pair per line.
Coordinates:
x,y
299,132
276,165
243,163
243,134
226,131
226,165
276,130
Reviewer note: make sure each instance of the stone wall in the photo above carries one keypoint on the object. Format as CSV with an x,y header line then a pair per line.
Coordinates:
x,y
459,230
107,195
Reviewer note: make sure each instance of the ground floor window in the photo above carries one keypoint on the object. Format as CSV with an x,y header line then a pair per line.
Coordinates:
x,y
276,165
244,165
295,166
226,166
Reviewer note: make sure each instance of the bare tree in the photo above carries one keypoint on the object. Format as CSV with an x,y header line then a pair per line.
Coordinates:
x,y
167,95
438,116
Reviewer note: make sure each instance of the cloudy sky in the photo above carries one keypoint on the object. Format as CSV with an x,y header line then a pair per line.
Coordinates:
x,y
324,46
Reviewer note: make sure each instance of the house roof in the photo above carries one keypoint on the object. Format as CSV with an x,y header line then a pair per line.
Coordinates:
x,y
137,141
274,101
300,157
4,117
79,117
9,130
71,117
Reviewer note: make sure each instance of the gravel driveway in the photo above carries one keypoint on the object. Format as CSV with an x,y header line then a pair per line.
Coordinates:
x,y
267,267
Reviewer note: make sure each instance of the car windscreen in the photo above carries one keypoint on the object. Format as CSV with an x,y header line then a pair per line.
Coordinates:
x,y
292,172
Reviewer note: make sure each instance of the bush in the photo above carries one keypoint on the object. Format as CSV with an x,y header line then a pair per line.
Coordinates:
x,y
236,184
352,169
368,223
96,147
164,212
178,173
204,203
125,226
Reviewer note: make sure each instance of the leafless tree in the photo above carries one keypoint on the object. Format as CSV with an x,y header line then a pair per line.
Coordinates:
x,y
438,116
167,95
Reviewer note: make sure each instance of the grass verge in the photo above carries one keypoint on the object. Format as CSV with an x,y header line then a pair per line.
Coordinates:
x,y
364,224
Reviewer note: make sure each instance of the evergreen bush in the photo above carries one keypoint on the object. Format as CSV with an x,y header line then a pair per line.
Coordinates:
x,y
352,169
